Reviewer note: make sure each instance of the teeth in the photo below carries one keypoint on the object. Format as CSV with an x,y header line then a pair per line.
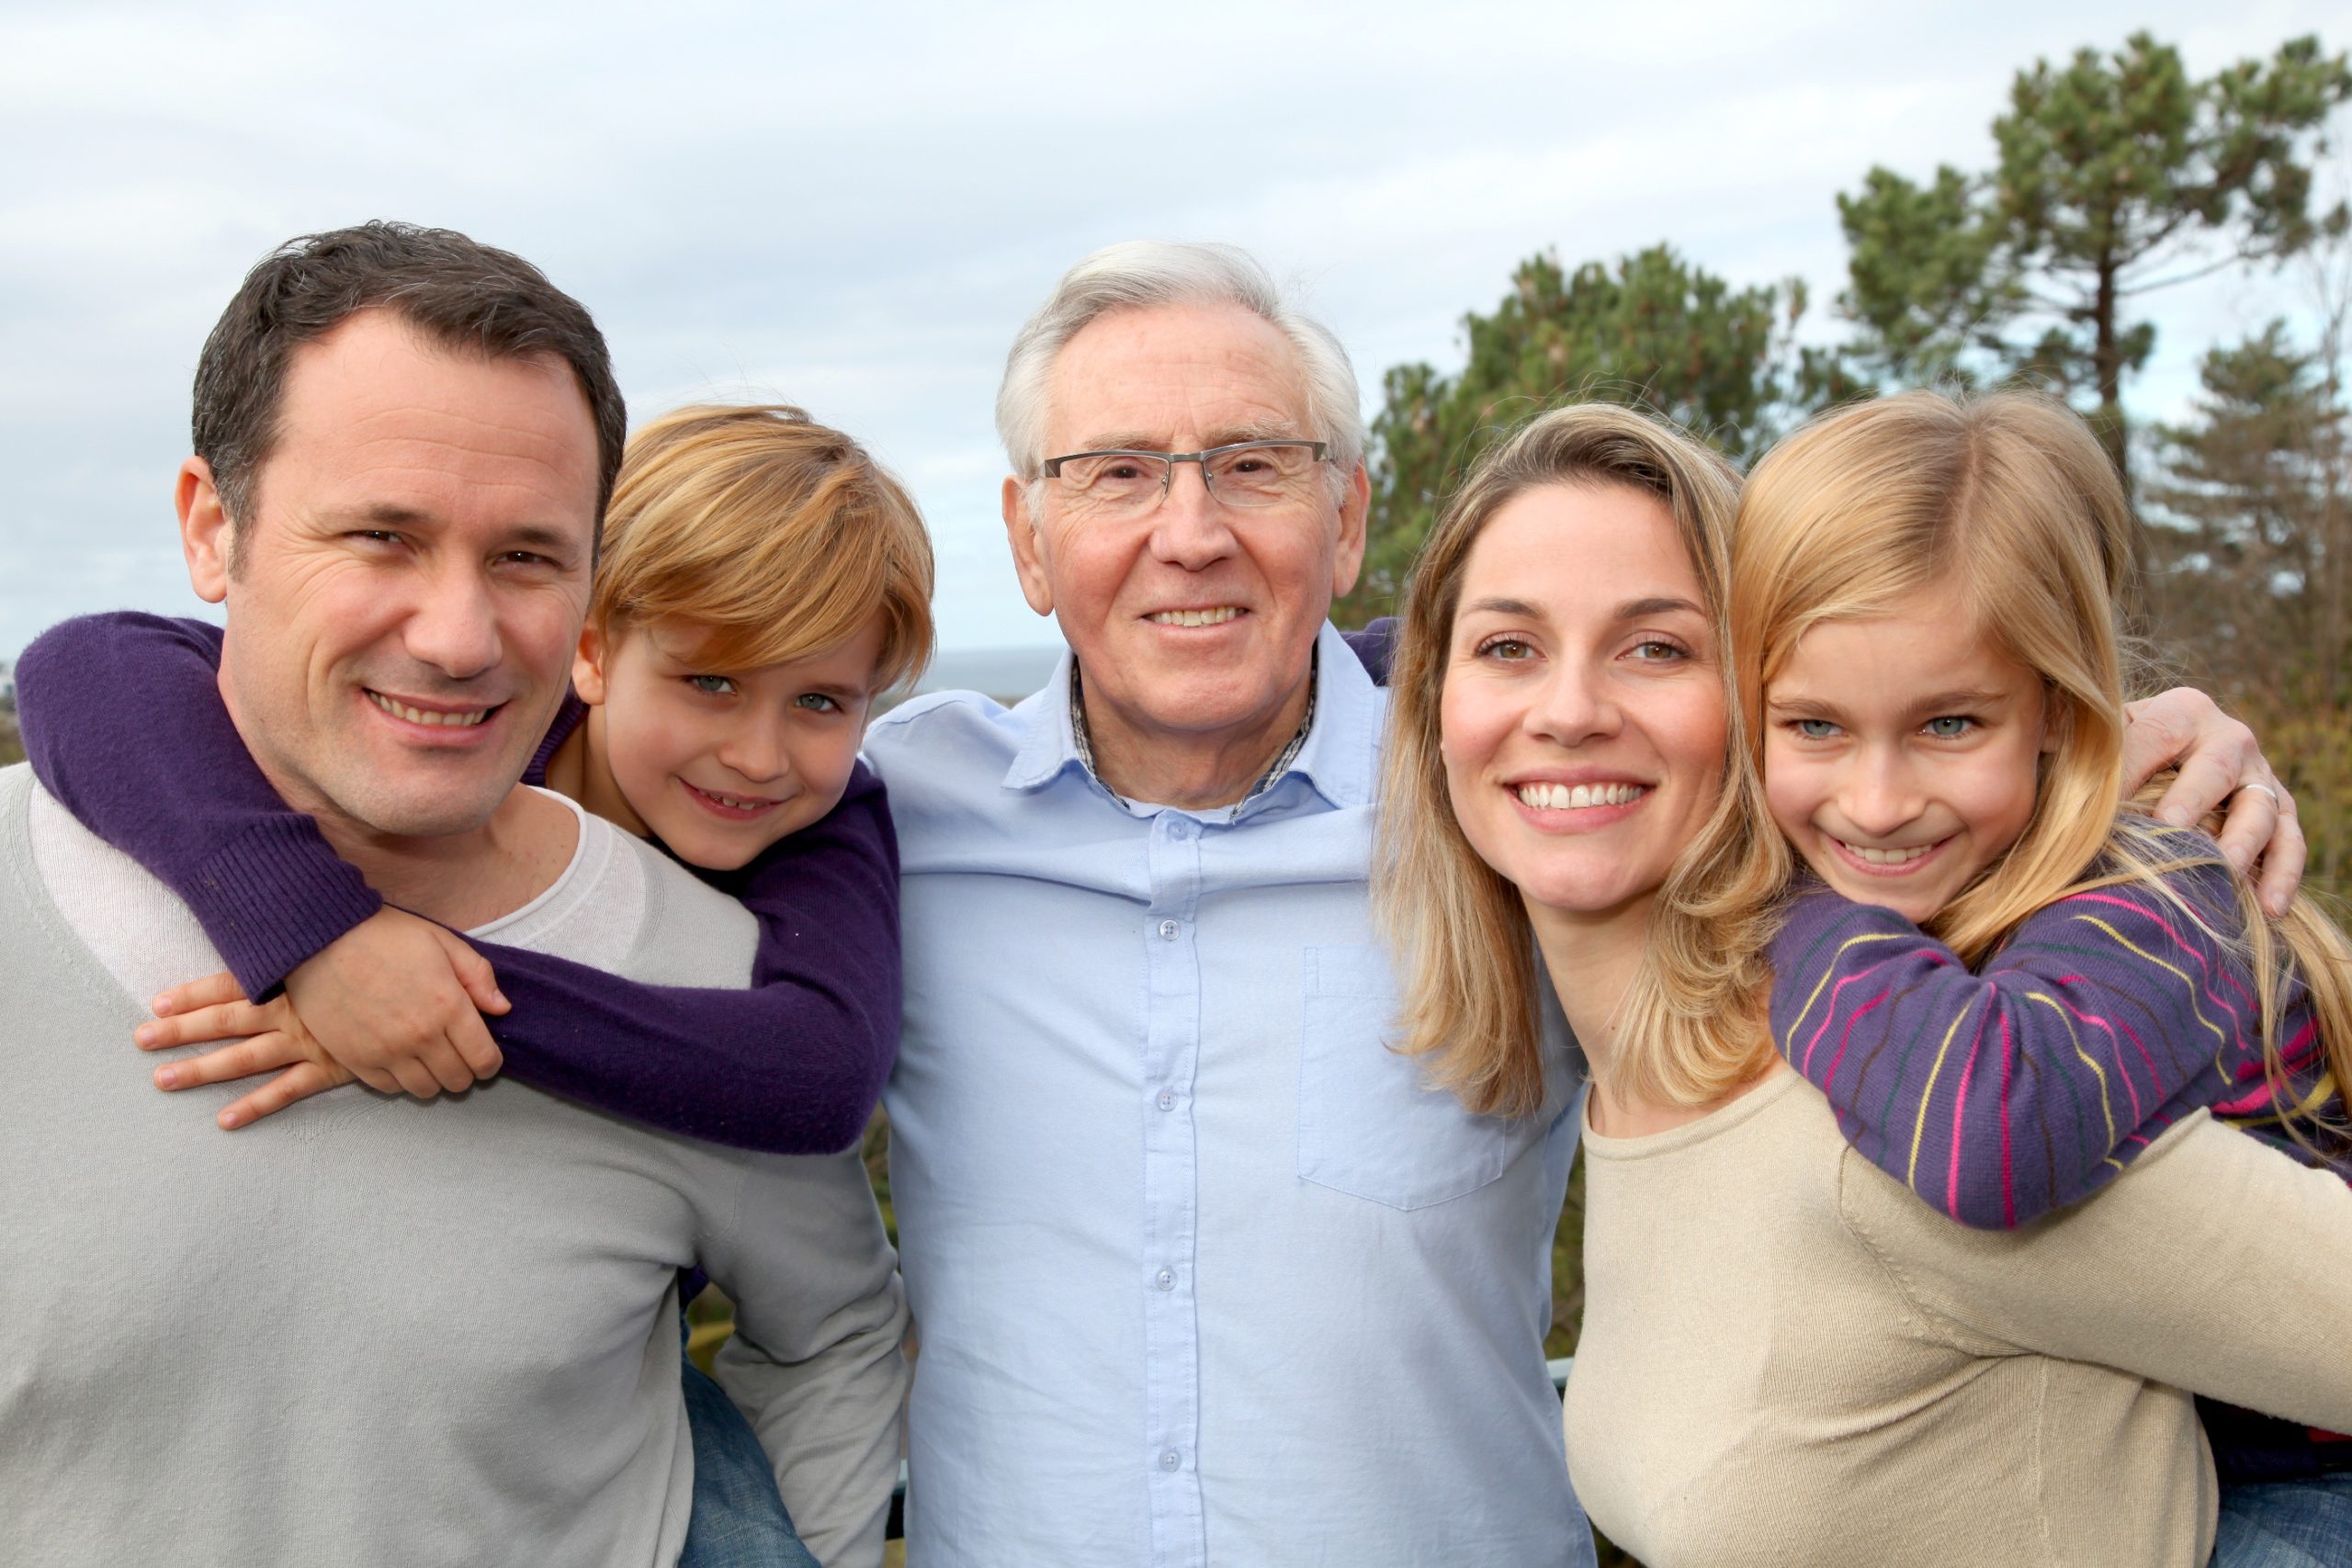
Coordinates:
x,y
1215,617
1888,857
1571,797
734,802
466,720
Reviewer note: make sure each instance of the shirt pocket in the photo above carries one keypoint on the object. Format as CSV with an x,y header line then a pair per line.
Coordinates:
x,y
1370,1121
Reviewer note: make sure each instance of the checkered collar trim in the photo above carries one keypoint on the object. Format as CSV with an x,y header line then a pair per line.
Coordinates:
x,y
1266,780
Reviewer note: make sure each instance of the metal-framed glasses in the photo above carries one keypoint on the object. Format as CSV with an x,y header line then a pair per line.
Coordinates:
x,y
1245,473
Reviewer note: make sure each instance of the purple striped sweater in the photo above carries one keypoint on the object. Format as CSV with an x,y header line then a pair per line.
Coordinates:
x,y
2000,1094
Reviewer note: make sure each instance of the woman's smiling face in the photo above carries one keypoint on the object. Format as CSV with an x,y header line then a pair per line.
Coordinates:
x,y
1583,715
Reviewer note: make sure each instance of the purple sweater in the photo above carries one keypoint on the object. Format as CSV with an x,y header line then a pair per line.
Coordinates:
x,y
2001,1094
123,724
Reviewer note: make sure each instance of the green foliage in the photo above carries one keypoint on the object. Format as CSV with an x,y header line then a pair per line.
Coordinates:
x,y
2116,174
1650,329
2312,748
2253,553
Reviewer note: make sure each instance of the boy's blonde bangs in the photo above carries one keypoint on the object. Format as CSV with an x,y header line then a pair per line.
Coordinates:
x,y
780,537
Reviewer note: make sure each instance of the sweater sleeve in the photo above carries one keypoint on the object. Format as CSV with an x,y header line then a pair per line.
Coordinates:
x,y
1999,1095
815,1362
2214,1265
793,1065
1375,648
123,722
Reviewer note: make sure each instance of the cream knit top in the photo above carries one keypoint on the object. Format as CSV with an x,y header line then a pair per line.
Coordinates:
x,y
1788,1358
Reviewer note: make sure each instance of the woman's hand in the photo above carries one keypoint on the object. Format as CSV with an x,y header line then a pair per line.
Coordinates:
x,y
2221,769
396,1002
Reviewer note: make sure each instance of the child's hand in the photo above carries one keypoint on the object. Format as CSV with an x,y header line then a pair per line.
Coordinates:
x,y
396,1002
2221,769
215,1008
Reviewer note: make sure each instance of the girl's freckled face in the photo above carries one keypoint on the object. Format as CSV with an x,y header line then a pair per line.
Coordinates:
x,y
1583,713
1902,753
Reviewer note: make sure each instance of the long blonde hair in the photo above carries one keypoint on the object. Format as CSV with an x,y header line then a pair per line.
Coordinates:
x,y
1466,951
2008,500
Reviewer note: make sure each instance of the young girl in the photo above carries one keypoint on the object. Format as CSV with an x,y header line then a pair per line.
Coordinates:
x,y
2006,987
762,580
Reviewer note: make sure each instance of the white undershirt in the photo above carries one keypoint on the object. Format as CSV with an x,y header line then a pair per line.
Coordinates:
x,y
590,912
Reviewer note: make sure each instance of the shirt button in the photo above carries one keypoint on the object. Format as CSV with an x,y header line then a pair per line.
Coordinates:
x,y
1167,1100
1165,1278
1180,829
1169,1458
1168,930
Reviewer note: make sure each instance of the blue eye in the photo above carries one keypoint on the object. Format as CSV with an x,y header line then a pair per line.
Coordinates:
x,y
712,685
817,702
1949,727
1814,728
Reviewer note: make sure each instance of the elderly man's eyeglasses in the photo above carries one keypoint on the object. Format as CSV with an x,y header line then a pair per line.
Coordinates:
x,y
1247,473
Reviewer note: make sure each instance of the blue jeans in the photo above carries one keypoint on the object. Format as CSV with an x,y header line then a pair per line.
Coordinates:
x,y
2285,1524
738,1520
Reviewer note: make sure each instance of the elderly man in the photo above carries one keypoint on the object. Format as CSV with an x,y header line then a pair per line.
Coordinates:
x,y
1203,1272
370,1331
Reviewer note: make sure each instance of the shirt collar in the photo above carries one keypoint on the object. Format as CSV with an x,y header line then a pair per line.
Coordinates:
x,y
1335,751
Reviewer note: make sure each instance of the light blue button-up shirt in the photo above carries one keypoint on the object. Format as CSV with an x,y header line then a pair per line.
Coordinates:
x,y
1202,1272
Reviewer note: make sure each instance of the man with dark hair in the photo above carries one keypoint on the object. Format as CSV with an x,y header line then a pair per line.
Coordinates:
x,y
460,295
369,1331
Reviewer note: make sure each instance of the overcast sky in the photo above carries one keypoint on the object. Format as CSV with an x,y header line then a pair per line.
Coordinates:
x,y
853,208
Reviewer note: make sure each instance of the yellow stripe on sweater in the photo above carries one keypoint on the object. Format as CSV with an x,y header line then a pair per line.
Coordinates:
x,y
2105,1109
1919,1127
2183,975
1829,974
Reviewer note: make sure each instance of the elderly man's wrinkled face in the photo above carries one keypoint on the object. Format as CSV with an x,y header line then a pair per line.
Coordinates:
x,y
1193,620
408,592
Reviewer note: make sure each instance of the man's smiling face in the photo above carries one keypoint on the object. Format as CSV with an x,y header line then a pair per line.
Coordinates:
x,y
1193,622
407,591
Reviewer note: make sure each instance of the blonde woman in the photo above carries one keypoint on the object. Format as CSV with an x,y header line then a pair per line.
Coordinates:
x,y
1786,1356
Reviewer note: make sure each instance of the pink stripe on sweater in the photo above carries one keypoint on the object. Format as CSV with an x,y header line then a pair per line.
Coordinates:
x,y
2192,950
2105,1027
1829,1013
1959,1111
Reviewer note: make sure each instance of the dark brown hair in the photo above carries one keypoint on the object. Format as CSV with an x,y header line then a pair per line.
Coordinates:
x,y
461,295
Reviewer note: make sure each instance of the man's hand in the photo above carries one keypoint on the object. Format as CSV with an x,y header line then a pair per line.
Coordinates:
x,y
2221,769
396,1002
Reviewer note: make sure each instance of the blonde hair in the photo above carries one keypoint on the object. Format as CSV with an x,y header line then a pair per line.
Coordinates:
x,y
2007,502
778,536
1691,1026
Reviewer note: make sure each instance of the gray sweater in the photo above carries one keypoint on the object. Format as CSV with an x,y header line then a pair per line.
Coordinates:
x,y
368,1330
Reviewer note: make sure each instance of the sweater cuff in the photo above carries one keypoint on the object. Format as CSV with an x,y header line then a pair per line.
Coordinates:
x,y
274,896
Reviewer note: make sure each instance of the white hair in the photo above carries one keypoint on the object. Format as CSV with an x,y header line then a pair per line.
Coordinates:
x,y
1139,274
